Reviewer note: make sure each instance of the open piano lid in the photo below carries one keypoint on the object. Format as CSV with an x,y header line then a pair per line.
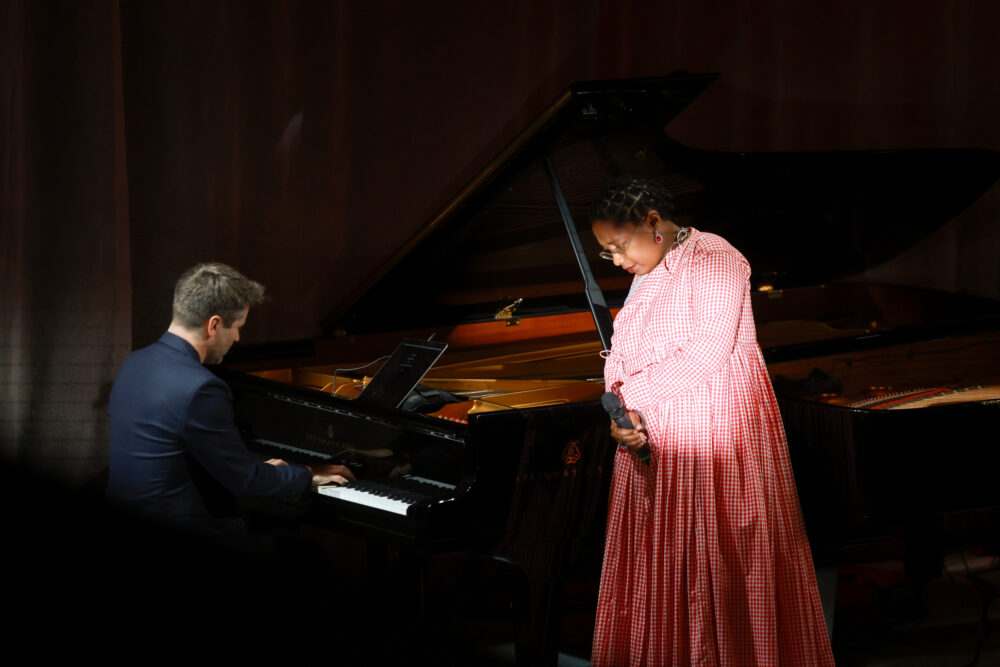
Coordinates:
x,y
801,218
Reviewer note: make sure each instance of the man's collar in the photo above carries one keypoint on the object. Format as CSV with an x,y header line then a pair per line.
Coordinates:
x,y
179,344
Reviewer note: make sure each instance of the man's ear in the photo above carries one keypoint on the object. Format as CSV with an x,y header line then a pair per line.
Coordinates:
x,y
213,325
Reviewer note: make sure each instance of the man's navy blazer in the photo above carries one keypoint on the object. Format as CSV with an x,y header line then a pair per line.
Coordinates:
x,y
176,455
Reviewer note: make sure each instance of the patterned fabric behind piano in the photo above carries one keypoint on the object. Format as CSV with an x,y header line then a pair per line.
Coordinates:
x,y
706,559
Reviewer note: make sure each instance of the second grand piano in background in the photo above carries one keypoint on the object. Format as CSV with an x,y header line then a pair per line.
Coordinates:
x,y
506,451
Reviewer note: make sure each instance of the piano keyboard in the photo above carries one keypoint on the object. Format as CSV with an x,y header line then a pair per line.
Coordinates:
x,y
279,450
395,494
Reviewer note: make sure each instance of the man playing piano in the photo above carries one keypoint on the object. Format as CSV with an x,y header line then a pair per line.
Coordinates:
x,y
176,455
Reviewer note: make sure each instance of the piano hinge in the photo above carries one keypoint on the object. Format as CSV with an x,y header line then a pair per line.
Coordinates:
x,y
507,313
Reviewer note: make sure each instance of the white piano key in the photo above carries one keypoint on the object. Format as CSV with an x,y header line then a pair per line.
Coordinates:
x,y
425,480
363,498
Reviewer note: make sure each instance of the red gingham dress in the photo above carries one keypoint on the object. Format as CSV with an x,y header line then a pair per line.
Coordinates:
x,y
706,560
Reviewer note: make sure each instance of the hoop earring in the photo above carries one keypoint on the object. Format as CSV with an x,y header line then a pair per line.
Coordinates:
x,y
657,236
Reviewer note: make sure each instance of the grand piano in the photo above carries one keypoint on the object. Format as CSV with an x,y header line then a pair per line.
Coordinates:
x,y
503,450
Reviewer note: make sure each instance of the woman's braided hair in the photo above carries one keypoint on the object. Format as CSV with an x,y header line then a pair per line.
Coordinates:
x,y
630,199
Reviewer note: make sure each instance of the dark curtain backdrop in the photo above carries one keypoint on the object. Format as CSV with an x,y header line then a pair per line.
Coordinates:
x,y
65,285
304,141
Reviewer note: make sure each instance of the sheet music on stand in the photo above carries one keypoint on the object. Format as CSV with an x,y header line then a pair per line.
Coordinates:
x,y
402,372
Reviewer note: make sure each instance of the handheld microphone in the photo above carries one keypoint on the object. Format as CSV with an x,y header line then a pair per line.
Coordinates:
x,y
613,406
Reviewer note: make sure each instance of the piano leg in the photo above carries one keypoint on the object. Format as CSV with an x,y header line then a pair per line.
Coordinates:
x,y
536,617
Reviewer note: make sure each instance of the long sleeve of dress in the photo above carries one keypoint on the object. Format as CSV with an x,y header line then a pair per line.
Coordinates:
x,y
722,280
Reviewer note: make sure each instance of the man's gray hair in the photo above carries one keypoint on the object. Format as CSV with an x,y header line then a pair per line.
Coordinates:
x,y
214,289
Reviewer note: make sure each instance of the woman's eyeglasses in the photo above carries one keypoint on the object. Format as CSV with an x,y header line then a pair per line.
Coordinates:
x,y
610,253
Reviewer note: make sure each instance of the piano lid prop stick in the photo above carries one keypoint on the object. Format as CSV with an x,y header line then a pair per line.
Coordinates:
x,y
595,297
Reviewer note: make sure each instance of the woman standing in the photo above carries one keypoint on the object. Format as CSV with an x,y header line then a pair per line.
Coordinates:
x,y
706,559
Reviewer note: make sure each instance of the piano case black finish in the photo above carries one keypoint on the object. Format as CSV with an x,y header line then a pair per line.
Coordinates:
x,y
526,448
